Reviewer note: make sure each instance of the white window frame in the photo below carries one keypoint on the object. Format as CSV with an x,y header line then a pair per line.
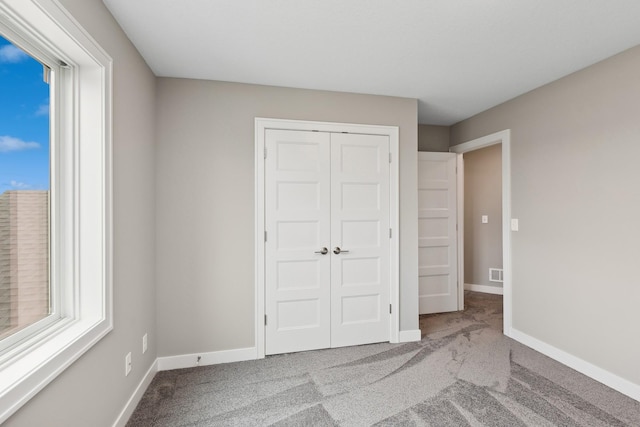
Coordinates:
x,y
81,202
58,77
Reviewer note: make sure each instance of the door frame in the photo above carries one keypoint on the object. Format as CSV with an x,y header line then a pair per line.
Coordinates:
x,y
261,125
504,138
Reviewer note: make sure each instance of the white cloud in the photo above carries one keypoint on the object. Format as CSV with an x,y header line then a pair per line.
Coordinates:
x,y
9,143
12,54
20,185
43,110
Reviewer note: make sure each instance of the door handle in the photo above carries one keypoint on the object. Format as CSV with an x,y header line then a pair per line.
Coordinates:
x,y
337,250
323,251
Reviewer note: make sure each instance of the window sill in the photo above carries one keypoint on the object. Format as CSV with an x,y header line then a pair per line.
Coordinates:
x,y
25,374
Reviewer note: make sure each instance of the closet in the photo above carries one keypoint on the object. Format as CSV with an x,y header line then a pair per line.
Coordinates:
x,y
327,239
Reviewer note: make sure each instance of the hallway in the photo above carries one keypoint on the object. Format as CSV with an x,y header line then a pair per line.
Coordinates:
x,y
478,307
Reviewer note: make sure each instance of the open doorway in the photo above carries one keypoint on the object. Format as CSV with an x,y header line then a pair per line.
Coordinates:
x,y
482,200
472,271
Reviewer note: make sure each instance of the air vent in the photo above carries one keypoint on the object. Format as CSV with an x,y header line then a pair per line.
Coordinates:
x,y
495,275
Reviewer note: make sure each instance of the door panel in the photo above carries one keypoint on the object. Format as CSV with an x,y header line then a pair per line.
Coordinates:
x,y
437,218
297,302
359,225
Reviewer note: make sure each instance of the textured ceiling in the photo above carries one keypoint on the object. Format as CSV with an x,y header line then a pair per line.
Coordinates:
x,y
457,57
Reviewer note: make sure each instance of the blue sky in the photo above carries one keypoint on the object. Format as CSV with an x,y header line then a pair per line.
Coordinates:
x,y
24,121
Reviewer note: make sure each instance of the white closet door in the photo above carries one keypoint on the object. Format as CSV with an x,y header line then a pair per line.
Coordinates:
x,y
360,229
297,220
327,248
437,235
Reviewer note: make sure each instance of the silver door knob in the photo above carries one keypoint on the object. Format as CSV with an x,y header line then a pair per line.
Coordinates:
x,y
337,250
323,251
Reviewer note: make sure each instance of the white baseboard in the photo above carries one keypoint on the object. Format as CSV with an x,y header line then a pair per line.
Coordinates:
x,y
179,362
133,401
211,358
409,336
483,288
605,377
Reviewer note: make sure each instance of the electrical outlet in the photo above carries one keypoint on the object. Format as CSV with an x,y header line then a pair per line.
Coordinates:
x,y
144,343
127,364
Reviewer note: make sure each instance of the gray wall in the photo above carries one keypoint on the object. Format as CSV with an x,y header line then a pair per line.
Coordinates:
x,y
482,196
205,202
93,391
575,190
433,138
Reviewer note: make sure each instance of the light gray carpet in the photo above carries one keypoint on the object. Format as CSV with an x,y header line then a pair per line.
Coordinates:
x,y
464,372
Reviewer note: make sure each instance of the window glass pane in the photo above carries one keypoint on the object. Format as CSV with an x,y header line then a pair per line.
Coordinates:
x,y
24,191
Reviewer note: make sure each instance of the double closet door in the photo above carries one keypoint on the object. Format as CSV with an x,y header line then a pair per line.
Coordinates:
x,y
327,240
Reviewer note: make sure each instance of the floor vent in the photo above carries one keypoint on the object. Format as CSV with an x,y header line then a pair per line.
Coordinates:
x,y
495,275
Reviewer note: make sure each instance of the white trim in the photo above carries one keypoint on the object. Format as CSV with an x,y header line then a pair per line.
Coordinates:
x,y
460,237
485,141
394,223
620,384
504,138
410,336
135,398
261,124
211,358
259,250
496,290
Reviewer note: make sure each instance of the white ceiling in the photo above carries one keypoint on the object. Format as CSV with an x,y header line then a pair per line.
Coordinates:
x,y
457,57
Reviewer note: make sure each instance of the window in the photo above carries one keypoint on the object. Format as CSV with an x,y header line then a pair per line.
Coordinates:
x,y
25,303
75,310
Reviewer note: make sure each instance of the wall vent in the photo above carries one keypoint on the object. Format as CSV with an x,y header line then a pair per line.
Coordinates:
x,y
496,275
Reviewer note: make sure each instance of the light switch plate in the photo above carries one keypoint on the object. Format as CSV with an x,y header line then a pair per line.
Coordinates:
x,y
514,224
485,219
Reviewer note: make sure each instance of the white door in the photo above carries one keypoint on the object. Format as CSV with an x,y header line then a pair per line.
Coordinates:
x,y
297,220
360,235
437,236
327,244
